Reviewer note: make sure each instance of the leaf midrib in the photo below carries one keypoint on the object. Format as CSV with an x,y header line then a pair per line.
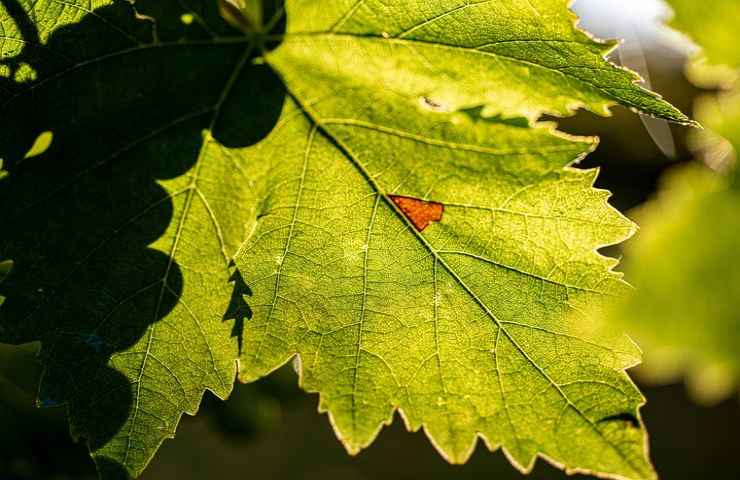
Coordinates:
x,y
488,151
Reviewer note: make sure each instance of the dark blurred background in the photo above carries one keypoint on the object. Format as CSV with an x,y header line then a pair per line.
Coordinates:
x,y
271,430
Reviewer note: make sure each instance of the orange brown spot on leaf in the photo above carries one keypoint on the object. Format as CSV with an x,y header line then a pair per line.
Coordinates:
x,y
420,212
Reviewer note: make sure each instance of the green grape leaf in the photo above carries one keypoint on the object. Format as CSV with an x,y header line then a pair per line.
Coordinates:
x,y
416,255
469,327
712,26
419,260
685,265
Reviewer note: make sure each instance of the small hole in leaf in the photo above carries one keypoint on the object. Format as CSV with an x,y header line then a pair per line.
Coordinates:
x,y
187,18
622,417
298,365
434,105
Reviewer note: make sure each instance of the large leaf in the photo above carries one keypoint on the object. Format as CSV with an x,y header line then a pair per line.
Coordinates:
x,y
424,261
122,229
464,327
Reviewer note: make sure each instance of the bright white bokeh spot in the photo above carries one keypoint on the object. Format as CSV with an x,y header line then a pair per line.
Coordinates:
x,y
604,17
627,19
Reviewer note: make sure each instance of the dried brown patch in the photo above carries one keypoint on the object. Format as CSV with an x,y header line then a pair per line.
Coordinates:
x,y
420,212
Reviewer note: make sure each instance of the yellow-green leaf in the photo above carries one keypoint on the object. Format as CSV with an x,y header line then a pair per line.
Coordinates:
x,y
415,255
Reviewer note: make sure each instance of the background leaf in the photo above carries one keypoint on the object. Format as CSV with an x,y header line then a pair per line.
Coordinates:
x,y
712,25
684,265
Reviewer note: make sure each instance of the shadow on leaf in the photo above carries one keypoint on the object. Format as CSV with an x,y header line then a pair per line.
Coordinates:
x,y
88,220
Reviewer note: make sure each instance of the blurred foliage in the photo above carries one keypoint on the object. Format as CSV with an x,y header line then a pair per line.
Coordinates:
x,y
685,264
721,114
716,65
712,24
717,146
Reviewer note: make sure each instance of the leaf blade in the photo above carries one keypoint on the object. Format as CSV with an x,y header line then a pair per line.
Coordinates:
x,y
288,321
